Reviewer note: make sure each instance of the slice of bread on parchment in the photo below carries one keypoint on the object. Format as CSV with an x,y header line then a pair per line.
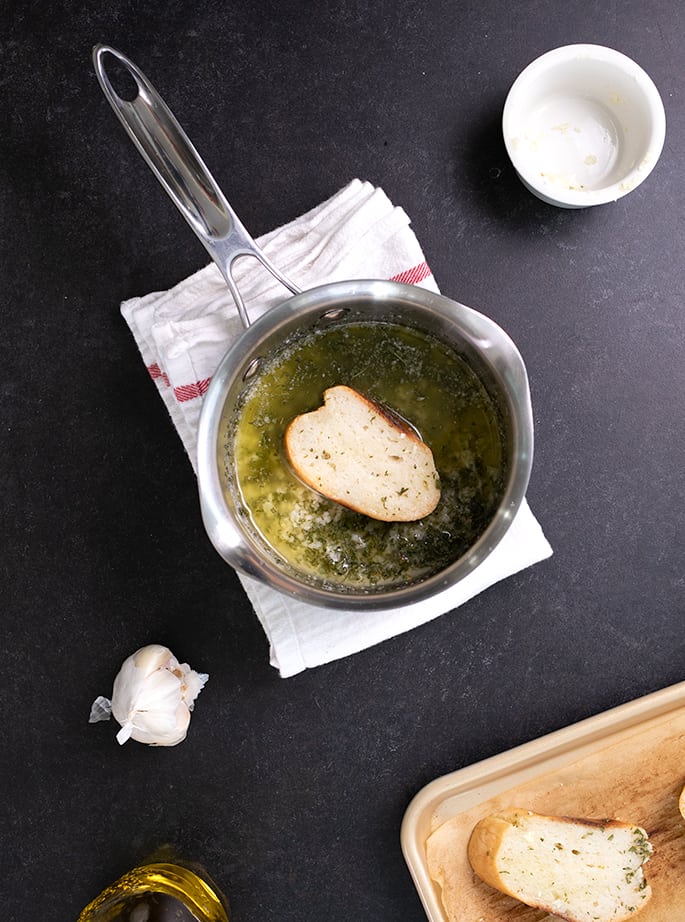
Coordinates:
x,y
577,869
363,456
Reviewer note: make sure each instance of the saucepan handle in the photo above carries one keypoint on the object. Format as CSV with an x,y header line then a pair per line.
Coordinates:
x,y
177,165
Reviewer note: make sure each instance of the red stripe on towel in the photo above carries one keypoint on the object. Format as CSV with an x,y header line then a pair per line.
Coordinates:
x,y
413,276
185,391
156,372
190,391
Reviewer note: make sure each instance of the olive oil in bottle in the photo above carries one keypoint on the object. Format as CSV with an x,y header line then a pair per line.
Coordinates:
x,y
159,892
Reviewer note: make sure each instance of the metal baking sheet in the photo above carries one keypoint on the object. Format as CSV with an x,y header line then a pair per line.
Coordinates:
x,y
627,763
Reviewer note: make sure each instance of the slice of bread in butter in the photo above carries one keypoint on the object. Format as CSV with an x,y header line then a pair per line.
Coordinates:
x,y
579,870
361,455
681,803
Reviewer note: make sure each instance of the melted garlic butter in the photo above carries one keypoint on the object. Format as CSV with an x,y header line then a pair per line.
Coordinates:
x,y
423,381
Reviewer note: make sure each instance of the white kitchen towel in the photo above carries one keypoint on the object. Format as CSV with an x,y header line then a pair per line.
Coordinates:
x,y
183,333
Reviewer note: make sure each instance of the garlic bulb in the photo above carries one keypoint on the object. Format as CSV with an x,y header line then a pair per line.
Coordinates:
x,y
152,697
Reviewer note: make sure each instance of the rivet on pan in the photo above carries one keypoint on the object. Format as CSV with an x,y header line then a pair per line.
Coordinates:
x,y
335,313
252,368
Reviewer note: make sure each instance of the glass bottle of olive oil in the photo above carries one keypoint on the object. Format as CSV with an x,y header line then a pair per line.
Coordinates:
x,y
158,892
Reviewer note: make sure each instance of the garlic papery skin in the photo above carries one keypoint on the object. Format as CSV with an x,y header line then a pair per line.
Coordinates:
x,y
152,697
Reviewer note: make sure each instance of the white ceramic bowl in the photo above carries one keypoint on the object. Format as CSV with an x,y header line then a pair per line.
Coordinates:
x,y
583,125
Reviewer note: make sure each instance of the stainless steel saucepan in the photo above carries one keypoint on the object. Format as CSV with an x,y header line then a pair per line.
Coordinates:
x,y
476,338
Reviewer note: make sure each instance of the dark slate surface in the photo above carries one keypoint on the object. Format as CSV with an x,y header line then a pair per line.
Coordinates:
x,y
291,792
